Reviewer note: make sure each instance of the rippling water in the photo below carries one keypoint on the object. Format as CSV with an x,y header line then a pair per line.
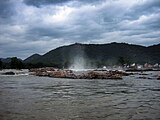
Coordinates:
x,y
42,98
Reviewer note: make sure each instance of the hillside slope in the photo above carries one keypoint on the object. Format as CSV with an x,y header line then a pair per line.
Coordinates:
x,y
97,54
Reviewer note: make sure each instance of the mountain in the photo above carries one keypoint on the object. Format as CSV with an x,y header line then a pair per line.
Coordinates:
x,y
97,55
32,58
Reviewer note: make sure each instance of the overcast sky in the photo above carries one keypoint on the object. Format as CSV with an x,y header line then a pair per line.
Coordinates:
x,y
37,26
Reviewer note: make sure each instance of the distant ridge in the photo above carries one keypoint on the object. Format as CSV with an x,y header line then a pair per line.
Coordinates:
x,y
5,60
8,60
98,54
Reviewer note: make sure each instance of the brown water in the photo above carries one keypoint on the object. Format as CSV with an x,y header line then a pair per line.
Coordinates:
x,y
42,98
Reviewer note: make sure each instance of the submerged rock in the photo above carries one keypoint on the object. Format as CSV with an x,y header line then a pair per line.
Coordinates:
x,y
9,73
144,77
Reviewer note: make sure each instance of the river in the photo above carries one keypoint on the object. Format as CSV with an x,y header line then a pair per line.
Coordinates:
x,y
26,97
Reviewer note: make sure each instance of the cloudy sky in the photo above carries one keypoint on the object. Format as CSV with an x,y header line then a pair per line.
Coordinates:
x,y
37,26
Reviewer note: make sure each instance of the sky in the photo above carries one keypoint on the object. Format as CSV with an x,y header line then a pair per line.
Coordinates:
x,y
37,26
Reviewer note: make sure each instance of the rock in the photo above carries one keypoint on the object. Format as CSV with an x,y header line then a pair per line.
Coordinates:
x,y
121,73
158,78
116,76
59,73
42,69
142,74
9,73
143,77
103,75
52,72
139,70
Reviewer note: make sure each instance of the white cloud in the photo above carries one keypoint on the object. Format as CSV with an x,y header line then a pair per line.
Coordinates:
x,y
42,27
61,15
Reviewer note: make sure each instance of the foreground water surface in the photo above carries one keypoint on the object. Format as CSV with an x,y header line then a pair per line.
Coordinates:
x,y
28,97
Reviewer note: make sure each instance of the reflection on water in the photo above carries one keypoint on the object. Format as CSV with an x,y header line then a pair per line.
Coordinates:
x,y
42,98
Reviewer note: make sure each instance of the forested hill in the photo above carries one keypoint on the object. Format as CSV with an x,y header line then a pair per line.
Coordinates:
x,y
97,54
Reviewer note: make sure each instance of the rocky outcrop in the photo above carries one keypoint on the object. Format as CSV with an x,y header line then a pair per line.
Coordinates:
x,y
92,74
52,72
103,75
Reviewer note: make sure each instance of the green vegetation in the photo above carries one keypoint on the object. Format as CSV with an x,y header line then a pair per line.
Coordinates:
x,y
123,61
13,63
16,63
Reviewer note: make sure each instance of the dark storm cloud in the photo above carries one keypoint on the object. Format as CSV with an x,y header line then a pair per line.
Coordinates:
x,y
5,8
37,26
144,8
44,2
6,11
38,3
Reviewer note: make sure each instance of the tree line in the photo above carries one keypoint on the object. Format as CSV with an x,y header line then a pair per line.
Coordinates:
x,y
14,63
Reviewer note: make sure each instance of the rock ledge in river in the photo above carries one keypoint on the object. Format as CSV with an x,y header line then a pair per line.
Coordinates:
x,y
92,74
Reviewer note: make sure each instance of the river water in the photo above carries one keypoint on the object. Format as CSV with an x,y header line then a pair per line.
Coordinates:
x,y
27,97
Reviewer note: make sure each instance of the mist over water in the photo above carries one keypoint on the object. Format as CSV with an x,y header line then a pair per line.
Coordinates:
x,y
78,58
79,63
